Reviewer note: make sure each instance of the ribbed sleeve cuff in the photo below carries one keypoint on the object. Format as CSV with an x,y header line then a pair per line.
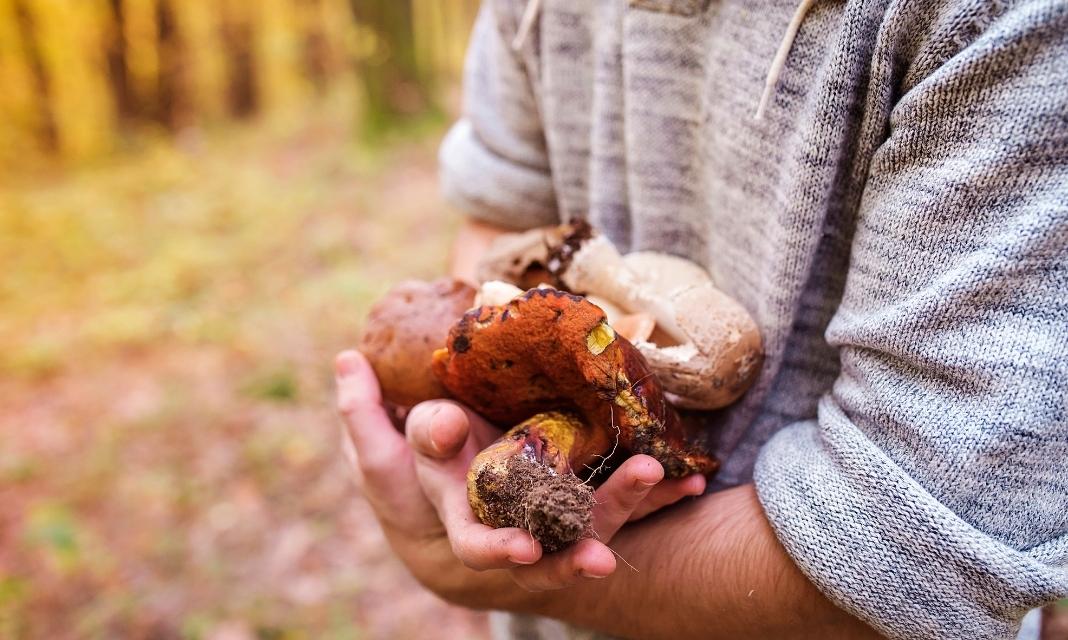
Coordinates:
x,y
491,188
882,548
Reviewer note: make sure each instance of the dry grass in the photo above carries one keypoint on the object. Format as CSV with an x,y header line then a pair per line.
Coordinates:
x,y
170,464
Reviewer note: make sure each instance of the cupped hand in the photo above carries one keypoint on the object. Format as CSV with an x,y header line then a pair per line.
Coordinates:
x,y
446,436
417,488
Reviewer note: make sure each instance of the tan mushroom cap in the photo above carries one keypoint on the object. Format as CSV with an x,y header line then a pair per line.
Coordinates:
x,y
403,330
720,360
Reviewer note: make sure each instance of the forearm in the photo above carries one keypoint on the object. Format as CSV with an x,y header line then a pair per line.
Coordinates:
x,y
708,569
472,240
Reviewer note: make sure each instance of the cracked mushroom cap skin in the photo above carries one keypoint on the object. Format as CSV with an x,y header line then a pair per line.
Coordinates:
x,y
548,350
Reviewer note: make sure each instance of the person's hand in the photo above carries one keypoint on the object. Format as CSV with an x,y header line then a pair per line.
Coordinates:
x,y
445,436
384,468
418,491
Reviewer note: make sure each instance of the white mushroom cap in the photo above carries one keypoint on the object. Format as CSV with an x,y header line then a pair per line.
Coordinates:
x,y
510,254
720,359
664,272
717,349
495,293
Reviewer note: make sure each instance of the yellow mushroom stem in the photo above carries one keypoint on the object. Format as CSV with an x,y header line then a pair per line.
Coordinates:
x,y
525,480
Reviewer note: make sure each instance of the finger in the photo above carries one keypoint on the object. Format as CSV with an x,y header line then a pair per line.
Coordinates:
x,y
437,429
382,451
622,492
481,547
667,493
353,459
586,559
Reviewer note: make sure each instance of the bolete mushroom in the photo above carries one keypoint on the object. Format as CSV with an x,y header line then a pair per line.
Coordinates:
x,y
549,362
404,329
704,346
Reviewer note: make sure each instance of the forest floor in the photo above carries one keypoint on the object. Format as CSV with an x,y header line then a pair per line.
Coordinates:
x,y
170,464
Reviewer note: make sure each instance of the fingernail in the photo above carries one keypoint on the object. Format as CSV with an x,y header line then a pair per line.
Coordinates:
x,y
518,561
642,484
586,574
430,432
348,362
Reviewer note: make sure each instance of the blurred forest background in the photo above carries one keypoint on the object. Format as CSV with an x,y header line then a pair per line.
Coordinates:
x,y
198,201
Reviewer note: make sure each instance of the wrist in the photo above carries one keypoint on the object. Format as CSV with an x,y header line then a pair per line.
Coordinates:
x,y
472,240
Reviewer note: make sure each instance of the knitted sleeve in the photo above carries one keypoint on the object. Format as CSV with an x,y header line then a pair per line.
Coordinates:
x,y
494,164
930,495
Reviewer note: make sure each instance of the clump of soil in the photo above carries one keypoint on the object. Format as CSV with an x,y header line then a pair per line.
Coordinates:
x,y
556,509
559,511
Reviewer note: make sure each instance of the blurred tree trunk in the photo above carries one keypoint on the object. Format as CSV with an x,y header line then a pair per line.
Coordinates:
x,y
46,121
175,95
69,57
203,59
394,83
116,57
236,34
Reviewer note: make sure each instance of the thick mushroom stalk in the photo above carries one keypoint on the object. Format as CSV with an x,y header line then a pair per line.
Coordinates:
x,y
705,347
525,480
550,353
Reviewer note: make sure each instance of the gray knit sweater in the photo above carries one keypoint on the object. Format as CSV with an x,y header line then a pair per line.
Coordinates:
x,y
897,223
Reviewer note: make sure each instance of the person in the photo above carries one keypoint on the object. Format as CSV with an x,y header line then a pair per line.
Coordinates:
x,y
885,189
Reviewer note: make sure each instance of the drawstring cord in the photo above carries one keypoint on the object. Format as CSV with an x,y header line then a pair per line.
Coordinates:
x,y
530,14
779,61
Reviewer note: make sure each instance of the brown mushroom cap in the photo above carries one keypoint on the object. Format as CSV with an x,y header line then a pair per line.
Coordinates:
x,y
548,350
405,328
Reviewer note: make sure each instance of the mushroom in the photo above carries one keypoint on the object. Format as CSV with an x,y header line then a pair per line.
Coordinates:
x,y
404,329
704,346
580,394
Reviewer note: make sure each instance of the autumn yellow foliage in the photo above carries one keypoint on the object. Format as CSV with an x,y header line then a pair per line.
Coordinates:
x,y
77,76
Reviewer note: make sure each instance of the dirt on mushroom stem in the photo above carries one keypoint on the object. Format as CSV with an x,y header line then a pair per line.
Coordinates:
x,y
525,480
556,509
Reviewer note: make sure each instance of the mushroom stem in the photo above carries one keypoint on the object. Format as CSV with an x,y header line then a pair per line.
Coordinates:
x,y
525,480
